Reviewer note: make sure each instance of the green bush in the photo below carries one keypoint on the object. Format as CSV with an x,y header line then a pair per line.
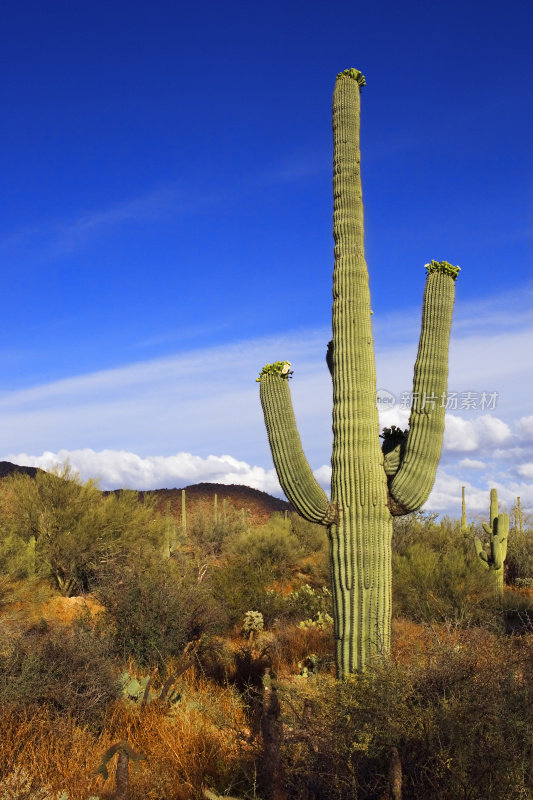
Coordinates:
x,y
461,720
154,611
519,560
439,586
271,549
70,532
311,538
211,536
254,560
307,603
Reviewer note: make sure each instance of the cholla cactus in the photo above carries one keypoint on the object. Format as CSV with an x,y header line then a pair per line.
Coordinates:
x,y
322,620
497,531
369,485
253,623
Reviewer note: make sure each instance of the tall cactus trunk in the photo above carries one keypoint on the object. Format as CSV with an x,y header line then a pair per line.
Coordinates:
x,y
183,512
361,536
464,526
369,483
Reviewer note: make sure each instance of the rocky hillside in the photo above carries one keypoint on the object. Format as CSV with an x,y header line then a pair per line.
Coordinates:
x,y
200,497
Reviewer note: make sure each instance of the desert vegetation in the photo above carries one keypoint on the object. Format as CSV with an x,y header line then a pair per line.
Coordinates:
x,y
205,668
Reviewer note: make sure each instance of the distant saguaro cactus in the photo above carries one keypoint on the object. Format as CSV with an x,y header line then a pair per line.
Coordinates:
x,y
183,512
498,532
369,484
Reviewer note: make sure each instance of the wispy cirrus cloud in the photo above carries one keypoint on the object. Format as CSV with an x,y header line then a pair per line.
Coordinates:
x,y
54,237
205,402
59,237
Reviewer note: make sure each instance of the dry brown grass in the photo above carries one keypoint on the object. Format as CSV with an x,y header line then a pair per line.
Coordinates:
x,y
195,744
294,644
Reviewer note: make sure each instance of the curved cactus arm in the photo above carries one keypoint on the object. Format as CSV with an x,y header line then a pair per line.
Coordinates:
x,y
493,506
294,473
481,552
414,480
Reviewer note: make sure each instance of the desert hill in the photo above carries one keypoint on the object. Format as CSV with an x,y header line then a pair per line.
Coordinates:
x,y
200,497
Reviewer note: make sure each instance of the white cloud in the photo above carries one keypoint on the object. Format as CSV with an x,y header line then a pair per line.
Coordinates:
x,y
115,469
323,476
525,427
476,434
471,463
186,407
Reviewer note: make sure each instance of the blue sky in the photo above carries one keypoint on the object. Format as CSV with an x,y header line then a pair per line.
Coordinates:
x,y
166,228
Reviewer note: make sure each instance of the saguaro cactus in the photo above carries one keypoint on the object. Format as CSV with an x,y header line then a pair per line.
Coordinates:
x,y
464,526
498,532
369,483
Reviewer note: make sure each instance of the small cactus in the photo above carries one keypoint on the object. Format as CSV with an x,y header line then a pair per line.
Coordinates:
x,y
141,691
253,623
125,754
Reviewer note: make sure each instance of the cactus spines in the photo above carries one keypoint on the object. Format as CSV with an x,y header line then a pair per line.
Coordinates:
x,y
498,532
369,485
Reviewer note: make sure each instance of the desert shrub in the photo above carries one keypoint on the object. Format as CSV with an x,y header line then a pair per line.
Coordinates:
x,y
67,669
307,603
312,538
154,611
293,644
414,528
237,589
271,549
211,536
439,578
461,721
519,560
254,560
67,530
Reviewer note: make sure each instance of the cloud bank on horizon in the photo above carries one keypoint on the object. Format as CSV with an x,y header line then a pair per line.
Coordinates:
x,y
196,417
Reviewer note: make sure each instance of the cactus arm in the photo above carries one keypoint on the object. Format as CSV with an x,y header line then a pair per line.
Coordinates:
x,y
493,506
294,473
414,480
503,532
481,552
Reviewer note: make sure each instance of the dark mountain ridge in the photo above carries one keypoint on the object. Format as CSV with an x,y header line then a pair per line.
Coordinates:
x,y
200,497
